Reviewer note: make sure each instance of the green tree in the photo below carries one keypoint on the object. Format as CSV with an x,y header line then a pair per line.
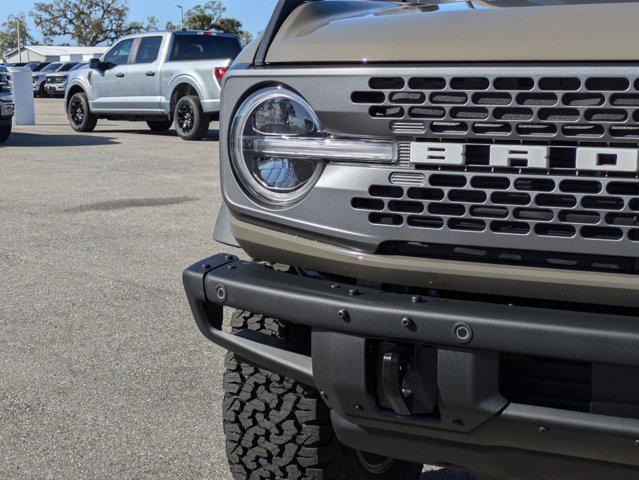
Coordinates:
x,y
87,22
231,25
9,34
200,17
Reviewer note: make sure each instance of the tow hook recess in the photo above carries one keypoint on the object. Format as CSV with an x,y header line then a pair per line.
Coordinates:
x,y
408,379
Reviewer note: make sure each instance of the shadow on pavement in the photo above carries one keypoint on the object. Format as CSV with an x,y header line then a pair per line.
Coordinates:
x,y
212,136
19,139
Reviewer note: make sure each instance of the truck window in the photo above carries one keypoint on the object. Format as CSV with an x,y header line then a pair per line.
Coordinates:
x,y
119,55
148,50
204,47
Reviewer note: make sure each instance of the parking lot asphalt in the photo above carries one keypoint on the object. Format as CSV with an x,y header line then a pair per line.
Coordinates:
x,y
103,373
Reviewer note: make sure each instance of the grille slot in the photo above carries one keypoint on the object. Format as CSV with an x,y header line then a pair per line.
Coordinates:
x,y
553,108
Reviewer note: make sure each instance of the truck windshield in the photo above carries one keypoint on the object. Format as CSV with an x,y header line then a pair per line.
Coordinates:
x,y
204,47
52,67
66,67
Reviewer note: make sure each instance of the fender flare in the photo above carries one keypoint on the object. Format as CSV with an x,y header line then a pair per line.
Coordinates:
x,y
77,82
182,79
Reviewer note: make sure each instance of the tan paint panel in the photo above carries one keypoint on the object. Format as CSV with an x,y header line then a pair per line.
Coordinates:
x,y
378,32
527,282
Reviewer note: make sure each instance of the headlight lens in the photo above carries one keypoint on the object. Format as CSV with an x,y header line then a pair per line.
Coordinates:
x,y
274,113
278,147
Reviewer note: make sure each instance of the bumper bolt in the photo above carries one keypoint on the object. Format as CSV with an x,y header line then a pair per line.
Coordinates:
x,y
343,314
207,266
463,332
542,429
408,323
220,293
416,299
637,443
353,291
359,408
323,395
230,257
458,422
334,286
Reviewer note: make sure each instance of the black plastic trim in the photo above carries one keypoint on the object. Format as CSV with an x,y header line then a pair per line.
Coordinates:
x,y
250,345
552,333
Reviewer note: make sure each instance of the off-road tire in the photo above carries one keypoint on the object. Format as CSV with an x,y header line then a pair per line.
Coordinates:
x,y
159,126
5,133
278,428
87,121
191,123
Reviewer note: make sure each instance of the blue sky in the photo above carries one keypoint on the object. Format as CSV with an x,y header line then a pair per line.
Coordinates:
x,y
252,13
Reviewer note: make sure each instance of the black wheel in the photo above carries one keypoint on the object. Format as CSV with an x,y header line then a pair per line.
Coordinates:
x,y
190,121
161,126
277,428
42,93
5,132
80,117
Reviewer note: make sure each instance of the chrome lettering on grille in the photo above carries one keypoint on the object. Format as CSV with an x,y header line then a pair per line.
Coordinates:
x,y
601,159
608,159
519,156
434,153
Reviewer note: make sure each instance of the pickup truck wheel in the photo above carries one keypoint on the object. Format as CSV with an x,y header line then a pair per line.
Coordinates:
x,y
190,121
5,132
278,428
42,93
161,126
80,117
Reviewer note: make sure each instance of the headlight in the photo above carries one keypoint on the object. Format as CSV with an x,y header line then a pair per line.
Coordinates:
x,y
278,147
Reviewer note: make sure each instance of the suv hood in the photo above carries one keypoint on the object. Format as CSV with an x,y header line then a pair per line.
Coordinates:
x,y
373,31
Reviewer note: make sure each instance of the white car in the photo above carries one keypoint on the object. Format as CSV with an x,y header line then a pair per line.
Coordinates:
x,y
56,83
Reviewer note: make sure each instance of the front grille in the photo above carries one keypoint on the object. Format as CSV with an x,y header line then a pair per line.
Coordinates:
x,y
577,108
56,80
5,83
510,205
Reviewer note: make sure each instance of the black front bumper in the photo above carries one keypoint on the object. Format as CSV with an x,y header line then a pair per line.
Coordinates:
x,y
475,428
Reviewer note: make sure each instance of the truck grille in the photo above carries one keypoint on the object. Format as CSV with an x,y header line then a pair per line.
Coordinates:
x,y
56,80
571,108
593,209
5,83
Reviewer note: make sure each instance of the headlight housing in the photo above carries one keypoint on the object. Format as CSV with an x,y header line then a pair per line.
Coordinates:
x,y
278,148
274,113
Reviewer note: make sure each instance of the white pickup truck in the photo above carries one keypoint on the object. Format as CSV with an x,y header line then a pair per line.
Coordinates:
x,y
162,78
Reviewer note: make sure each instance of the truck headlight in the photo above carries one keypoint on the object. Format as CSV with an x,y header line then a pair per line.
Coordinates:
x,y
278,148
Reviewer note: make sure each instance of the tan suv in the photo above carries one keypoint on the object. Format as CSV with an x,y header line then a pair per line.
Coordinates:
x,y
442,203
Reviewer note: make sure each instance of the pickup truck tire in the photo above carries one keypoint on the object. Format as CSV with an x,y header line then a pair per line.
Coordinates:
x,y
159,126
191,123
5,132
278,428
42,93
79,114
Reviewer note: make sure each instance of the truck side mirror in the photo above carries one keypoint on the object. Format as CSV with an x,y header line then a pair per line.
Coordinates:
x,y
95,64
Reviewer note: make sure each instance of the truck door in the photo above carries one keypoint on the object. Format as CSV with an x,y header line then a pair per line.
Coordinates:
x,y
144,76
110,85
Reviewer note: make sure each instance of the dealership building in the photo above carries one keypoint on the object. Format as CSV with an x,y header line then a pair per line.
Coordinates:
x,y
37,53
